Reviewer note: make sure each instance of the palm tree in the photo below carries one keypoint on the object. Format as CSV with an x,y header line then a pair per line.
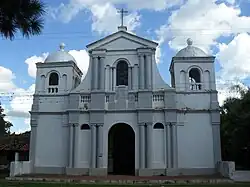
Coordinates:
x,y
25,16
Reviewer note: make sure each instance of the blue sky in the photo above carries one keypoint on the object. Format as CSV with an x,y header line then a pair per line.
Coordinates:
x,y
219,27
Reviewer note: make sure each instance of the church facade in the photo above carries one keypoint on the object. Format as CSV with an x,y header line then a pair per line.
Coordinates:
x,y
122,118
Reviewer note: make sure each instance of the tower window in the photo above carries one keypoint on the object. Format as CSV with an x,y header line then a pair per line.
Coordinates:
x,y
53,79
122,73
195,79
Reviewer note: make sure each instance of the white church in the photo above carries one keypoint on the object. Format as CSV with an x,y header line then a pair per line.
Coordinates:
x,y
122,118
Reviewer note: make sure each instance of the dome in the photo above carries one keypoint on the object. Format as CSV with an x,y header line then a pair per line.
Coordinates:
x,y
60,56
191,51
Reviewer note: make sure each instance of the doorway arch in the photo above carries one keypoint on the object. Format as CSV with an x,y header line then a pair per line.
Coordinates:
x,y
121,150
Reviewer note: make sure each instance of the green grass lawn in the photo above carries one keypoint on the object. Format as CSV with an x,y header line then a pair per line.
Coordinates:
x,y
36,184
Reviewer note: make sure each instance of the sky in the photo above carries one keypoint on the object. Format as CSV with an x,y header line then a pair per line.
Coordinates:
x,y
219,27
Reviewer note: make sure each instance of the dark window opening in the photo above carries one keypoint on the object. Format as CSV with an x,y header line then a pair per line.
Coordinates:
x,y
195,79
53,79
85,127
158,126
122,73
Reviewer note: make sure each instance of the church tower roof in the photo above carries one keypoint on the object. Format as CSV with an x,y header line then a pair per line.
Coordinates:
x,y
60,56
191,51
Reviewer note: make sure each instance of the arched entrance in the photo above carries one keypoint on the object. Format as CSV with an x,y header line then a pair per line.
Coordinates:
x,y
121,150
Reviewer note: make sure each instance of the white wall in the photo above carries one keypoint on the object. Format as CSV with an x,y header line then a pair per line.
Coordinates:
x,y
195,141
83,148
158,149
193,101
52,142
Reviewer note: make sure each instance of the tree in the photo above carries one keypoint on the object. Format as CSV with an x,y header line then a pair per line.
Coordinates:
x,y
235,129
25,16
4,125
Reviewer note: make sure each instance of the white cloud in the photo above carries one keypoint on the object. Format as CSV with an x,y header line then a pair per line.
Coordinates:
x,y
31,62
234,58
106,20
204,22
6,80
66,12
82,59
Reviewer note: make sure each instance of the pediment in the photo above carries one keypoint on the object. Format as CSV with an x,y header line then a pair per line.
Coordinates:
x,y
122,41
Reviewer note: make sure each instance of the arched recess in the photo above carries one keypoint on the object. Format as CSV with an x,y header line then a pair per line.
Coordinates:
x,y
84,146
207,80
158,142
121,149
42,83
195,78
53,79
64,78
85,127
122,73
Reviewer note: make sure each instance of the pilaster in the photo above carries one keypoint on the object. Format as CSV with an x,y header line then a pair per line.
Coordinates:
x,y
130,82
135,77
93,146
99,129
101,79
142,145
142,71
149,71
107,78
96,73
149,145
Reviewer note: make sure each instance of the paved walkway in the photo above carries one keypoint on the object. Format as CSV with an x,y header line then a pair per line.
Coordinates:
x,y
121,179
241,176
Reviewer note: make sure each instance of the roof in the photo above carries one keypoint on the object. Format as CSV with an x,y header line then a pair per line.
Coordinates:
x,y
122,33
191,51
60,56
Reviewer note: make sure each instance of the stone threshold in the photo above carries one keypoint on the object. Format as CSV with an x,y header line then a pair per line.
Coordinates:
x,y
121,181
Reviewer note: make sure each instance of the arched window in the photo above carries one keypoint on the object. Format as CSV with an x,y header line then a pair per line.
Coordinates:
x,y
85,127
195,79
158,126
53,79
122,73
194,75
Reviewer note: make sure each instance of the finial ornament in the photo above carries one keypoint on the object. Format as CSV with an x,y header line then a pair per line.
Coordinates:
x,y
62,46
189,41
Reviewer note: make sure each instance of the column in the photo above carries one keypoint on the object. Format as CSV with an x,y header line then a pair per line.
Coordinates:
x,y
129,78
141,75
153,69
33,134
75,145
107,78
100,146
216,142
114,78
174,145
102,75
71,145
135,77
149,71
110,78
149,145
91,68
168,144
142,145
96,73
93,146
